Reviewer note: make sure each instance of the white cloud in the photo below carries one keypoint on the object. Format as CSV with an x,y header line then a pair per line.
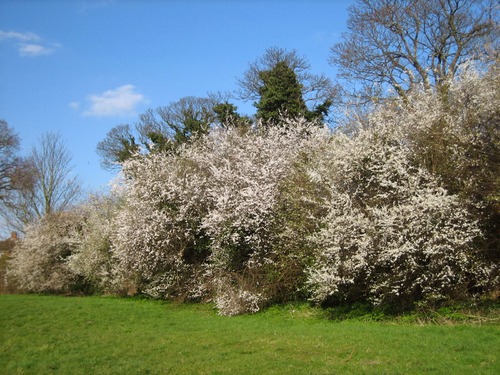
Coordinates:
x,y
21,37
29,44
118,102
74,105
31,50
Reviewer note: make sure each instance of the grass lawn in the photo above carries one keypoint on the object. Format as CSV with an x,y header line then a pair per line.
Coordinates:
x,y
100,335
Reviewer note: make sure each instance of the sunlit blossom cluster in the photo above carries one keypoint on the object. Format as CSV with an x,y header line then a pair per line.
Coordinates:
x,y
392,234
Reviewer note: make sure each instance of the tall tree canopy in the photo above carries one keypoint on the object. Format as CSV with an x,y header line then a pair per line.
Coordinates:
x,y
165,128
228,116
118,146
9,160
280,94
400,44
176,123
52,186
261,84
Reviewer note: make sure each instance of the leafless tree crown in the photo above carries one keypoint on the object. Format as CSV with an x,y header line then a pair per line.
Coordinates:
x,y
401,44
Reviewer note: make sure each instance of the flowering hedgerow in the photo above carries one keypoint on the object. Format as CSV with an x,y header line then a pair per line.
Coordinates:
x,y
403,211
392,234
207,212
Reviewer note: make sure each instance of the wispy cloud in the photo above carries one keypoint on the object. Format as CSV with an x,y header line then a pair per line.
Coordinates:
x,y
31,50
74,105
21,37
29,44
121,101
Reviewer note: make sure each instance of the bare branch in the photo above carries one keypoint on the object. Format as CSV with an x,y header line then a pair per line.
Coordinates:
x,y
400,45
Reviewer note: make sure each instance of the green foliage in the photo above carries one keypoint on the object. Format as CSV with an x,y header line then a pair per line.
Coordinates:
x,y
192,127
319,112
280,95
228,116
168,127
274,80
129,148
164,129
159,142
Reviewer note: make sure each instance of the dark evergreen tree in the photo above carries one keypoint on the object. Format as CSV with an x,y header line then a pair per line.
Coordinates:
x,y
281,96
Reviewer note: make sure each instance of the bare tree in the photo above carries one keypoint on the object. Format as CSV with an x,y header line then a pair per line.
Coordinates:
x,y
15,173
396,45
9,145
51,188
316,89
10,162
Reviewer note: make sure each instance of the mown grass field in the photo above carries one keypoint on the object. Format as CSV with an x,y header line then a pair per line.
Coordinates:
x,y
99,335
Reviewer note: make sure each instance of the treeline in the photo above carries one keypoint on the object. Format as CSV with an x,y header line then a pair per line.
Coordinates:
x,y
404,211
279,84
397,204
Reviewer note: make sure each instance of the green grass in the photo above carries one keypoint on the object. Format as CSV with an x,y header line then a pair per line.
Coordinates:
x,y
99,335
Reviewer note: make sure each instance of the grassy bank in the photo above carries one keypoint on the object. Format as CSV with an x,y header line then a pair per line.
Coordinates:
x,y
97,335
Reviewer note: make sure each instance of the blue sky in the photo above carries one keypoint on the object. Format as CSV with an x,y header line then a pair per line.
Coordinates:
x,y
81,67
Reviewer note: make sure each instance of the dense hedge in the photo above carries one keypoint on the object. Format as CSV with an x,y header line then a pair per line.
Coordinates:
x,y
403,211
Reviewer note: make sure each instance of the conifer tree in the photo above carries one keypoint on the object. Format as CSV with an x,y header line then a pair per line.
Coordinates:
x,y
281,96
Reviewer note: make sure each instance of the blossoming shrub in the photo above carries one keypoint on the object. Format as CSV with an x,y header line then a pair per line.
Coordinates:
x,y
247,171
92,257
470,137
40,260
157,237
200,223
457,139
298,214
392,235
